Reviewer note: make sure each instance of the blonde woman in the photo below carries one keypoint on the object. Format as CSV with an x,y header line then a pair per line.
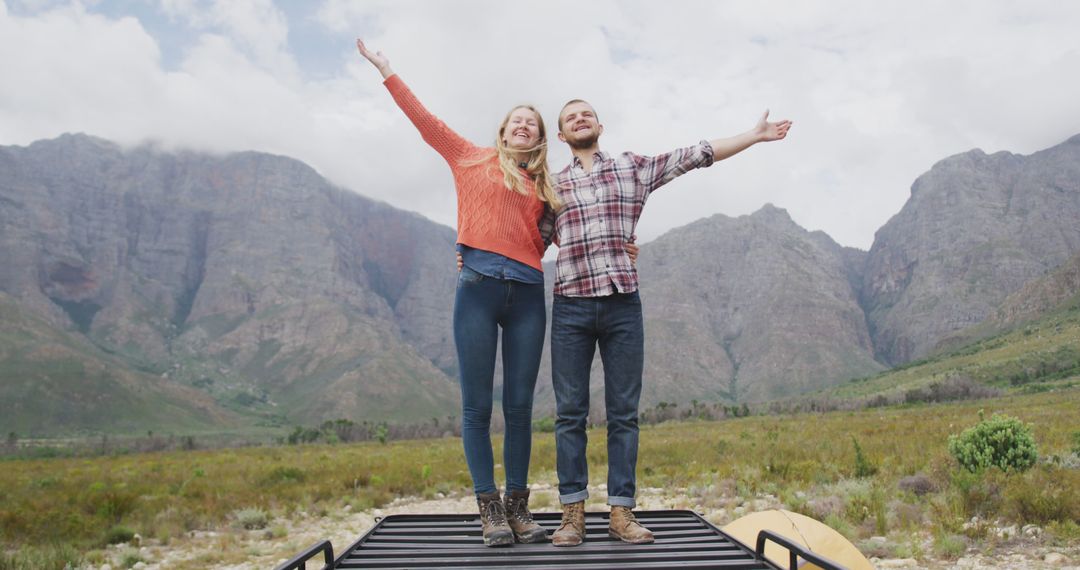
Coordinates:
x,y
503,194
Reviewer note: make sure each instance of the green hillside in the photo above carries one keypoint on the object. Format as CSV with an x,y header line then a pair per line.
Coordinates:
x,y
56,383
1030,356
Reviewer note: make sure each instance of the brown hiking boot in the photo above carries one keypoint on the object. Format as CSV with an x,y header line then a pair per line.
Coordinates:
x,y
572,530
520,519
493,518
626,528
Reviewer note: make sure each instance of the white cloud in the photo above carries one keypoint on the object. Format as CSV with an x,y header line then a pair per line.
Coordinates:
x,y
878,92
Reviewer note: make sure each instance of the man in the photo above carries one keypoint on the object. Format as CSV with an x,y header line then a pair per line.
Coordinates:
x,y
596,304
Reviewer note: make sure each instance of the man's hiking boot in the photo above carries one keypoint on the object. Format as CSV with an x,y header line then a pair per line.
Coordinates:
x,y
626,528
572,530
493,518
520,519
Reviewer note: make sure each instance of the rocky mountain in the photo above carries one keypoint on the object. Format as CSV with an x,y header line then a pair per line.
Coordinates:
x,y
192,290
976,228
749,308
247,275
1054,291
1061,286
741,309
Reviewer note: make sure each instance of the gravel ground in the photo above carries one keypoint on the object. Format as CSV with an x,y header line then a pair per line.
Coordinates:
x,y
237,549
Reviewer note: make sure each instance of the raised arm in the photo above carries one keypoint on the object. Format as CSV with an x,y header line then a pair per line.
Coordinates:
x,y
763,131
380,61
654,171
452,146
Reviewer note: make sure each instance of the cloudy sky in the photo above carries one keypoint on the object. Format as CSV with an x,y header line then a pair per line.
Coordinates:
x,y
878,91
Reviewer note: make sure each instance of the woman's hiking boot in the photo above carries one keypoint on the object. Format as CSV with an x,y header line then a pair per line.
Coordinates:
x,y
493,519
625,527
520,519
571,531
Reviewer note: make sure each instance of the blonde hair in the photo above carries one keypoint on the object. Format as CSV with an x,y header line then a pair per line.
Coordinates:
x,y
536,164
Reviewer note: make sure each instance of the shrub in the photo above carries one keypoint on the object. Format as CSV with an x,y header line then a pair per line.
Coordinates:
x,y
823,507
1076,442
1002,441
906,516
917,484
978,494
1044,495
282,474
863,467
119,534
949,546
130,557
111,502
251,519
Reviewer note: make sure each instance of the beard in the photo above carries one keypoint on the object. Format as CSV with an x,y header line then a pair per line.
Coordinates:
x,y
584,142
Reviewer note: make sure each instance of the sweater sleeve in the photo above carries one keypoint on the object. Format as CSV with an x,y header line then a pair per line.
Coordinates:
x,y
452,146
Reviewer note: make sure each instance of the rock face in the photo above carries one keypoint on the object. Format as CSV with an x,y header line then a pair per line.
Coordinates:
x,y
749,308
240,289
976,228
247,275
1058,290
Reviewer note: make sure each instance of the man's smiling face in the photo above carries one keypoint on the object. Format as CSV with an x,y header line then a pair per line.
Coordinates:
x,y
578,125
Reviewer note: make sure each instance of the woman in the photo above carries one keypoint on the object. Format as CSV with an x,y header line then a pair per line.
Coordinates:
x,y
503,194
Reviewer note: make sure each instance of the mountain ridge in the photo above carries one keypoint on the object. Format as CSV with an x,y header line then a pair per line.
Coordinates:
x,y
250,279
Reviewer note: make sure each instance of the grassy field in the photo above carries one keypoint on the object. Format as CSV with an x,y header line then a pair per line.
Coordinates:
x,y
904,482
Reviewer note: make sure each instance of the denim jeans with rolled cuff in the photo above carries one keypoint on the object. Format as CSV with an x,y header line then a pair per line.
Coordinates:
x,y
483,305
578,326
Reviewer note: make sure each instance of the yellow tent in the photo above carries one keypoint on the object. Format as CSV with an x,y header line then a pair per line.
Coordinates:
x,y
802,530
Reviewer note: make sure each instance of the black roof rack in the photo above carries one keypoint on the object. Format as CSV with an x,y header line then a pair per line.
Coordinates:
x,y
684,540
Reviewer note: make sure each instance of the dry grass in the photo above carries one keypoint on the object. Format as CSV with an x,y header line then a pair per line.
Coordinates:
x,y
805,462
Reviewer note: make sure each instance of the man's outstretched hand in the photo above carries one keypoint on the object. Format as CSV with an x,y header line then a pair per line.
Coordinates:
x,y
767,131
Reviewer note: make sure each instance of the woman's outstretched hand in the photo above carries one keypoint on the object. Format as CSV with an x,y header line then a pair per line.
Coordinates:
x,y
767,131
380,61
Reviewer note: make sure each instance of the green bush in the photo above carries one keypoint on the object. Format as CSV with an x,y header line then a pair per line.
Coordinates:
x,y
863,466
1076,442
1002,441
119,534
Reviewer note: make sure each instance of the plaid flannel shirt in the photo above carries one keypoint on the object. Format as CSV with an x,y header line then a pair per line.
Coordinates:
x,y
600,214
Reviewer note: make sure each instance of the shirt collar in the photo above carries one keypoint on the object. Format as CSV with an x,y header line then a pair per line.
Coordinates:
x,y
598,156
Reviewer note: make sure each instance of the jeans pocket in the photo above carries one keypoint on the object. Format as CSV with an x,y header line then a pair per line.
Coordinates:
x,y
468,276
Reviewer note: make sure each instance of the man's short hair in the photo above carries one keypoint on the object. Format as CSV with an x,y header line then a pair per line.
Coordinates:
x,y
571,102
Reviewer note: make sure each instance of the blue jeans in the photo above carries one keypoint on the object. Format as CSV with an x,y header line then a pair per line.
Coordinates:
x,y
578,325
483,305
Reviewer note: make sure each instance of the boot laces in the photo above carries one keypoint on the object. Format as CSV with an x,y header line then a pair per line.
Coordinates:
x,y
569,514
519,510
496,514
628,516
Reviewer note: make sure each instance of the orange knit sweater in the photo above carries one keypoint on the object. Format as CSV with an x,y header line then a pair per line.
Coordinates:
x,y
490,216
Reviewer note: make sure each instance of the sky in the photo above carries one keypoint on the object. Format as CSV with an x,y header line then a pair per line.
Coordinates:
x,y
878,91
